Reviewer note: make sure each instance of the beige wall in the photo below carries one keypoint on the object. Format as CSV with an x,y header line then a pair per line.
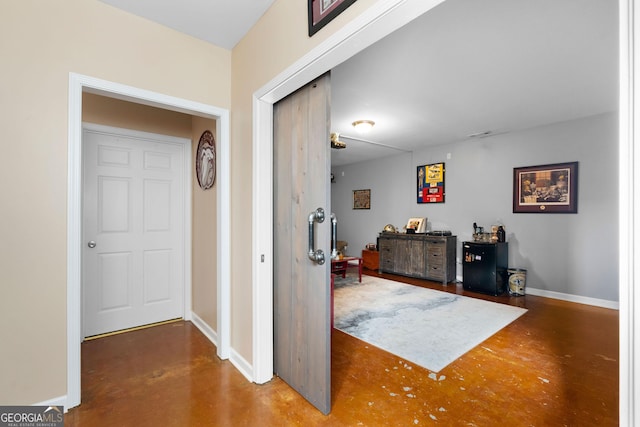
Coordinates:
x,y
42,42
277,41
114,112
204,272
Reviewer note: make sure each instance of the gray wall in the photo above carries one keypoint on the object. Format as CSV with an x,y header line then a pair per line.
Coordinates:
x,y
574,254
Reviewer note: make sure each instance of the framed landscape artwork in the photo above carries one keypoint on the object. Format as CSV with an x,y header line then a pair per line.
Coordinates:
x,y
546,188
431,183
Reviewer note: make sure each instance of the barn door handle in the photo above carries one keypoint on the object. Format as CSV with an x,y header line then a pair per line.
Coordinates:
x,y
316,256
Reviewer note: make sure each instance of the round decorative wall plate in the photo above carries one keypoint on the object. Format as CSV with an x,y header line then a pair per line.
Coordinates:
x,y
206,160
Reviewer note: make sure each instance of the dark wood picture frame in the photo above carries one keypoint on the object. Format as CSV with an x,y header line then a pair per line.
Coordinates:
x,y
362,199
321,12
549,188
206,160
430,187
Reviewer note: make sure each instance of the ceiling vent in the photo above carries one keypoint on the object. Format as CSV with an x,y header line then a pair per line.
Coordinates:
x,y
484,134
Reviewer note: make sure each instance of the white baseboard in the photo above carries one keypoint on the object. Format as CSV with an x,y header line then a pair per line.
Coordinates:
x,y
236,360
56,401
242,365
615,305
204,328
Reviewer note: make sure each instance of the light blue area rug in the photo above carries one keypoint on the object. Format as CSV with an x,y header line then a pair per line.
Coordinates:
x,y
427,327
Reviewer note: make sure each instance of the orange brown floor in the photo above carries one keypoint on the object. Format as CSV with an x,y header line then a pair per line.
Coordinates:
x,y
557,365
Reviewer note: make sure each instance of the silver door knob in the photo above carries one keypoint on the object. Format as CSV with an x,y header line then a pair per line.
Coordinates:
x,y
92,244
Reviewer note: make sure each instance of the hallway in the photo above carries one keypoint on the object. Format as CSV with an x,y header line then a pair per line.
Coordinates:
x,y
556,365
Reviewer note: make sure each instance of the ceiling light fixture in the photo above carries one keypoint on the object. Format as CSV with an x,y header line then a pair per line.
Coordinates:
x,y
363,125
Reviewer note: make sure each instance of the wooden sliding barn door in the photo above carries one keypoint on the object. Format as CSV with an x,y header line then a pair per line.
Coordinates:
x,y
302,303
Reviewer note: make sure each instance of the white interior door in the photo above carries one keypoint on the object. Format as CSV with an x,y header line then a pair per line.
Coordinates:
x,y
133,222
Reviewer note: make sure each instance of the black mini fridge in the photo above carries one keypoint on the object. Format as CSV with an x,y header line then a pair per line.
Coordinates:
x,y
484,267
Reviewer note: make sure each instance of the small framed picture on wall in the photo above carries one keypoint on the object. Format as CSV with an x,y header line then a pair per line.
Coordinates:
x,y
362,199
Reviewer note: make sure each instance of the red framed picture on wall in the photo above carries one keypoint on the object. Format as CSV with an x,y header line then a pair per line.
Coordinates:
x,y
431,183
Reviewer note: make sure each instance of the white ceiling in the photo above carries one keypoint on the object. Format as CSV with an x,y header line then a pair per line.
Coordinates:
x,y
220,22
471,66
465,67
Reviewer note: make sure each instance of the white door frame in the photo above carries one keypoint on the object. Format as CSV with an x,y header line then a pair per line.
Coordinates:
x,y
374,23
77,85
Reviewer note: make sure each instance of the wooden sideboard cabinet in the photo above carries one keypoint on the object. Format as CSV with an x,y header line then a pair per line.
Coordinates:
x,y
418,255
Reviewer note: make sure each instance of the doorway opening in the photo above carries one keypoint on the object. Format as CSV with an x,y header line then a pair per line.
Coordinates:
x,y
341,45
77,85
